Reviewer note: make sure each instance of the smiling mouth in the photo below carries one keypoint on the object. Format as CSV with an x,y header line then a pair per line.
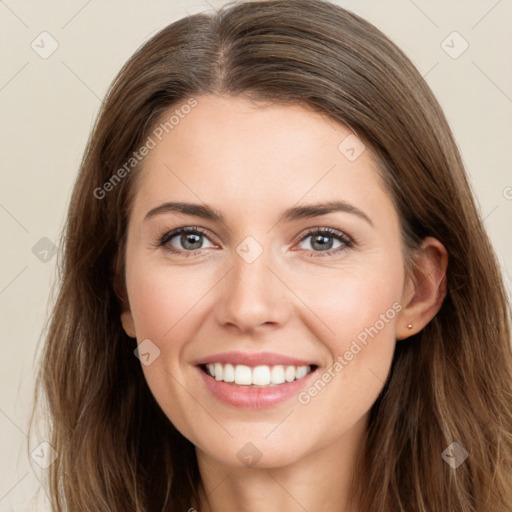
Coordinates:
x,y
256,376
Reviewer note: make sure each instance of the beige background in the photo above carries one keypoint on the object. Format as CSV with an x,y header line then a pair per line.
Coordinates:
x,y
48,107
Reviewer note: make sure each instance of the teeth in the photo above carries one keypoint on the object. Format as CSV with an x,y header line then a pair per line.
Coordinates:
x,y
261,376
301,372
289,373
229,373
219,371
242,374
277,374
258,376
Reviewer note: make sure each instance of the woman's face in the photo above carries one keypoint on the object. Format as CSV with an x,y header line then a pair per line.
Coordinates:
x,y
262,287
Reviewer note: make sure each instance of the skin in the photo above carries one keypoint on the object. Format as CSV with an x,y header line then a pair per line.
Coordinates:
x,y
251,161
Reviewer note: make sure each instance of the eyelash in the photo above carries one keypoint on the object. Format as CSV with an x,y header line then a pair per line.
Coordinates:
x,y
347,241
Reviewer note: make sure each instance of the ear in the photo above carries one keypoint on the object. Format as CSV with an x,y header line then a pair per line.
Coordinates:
x,y
128,323
424,290
119,285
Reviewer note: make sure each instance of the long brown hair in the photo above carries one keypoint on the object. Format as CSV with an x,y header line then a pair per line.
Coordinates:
x,y
452,382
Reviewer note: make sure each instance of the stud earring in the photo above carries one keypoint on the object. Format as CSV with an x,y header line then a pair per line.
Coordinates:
x,y
409,326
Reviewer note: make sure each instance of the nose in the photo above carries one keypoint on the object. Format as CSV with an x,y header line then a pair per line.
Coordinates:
x,y
253,296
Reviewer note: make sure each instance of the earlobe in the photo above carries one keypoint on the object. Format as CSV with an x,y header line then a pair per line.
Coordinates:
x,y
425,290
128,323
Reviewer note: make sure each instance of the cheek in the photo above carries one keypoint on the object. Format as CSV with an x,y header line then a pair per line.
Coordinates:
x,y
161,296
350,300
356,313
164,301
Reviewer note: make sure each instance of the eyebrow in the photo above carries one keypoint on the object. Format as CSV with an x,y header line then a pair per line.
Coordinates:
x,y
291,214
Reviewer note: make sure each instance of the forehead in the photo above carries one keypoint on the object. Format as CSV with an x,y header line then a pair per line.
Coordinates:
x,y
237,153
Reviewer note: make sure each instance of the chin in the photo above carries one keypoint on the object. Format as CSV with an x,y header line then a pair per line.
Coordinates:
x,y
256,454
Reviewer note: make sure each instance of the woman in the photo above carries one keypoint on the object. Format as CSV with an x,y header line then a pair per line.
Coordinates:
x,y
276,290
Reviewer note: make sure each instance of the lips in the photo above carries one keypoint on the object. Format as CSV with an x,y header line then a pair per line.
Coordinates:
x,y
254,380
254,359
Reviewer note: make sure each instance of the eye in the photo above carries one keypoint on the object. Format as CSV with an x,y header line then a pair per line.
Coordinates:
x,y
322,240
190,238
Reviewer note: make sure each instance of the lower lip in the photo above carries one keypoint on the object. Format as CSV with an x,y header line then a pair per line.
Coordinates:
x,y
254,397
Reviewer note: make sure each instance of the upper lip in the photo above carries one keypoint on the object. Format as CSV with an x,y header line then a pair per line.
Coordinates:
x,y
253,359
